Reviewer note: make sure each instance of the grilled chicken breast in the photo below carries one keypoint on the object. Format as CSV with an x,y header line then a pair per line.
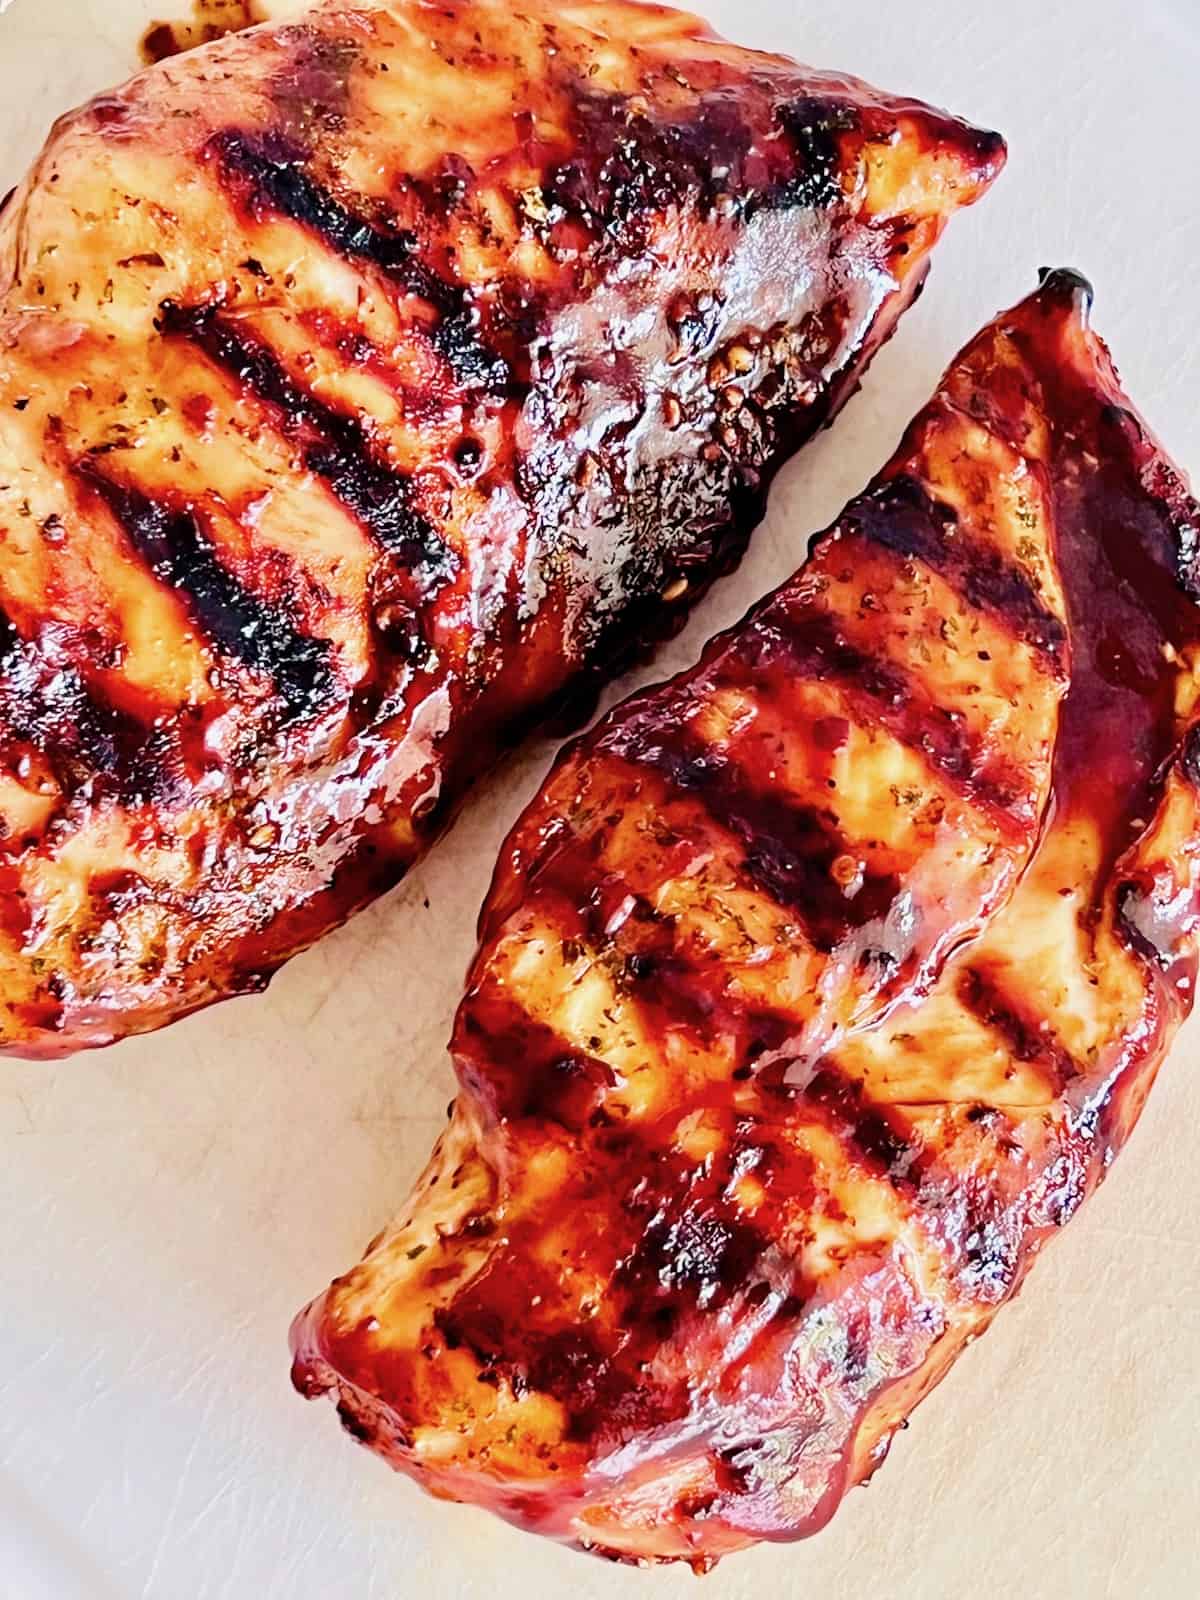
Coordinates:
x,y
815,993
367,384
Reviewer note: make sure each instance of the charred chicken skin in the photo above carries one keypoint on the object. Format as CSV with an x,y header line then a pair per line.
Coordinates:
x,y
368,384
816,992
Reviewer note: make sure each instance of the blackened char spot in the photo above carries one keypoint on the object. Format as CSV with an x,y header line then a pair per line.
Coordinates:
x,y
632,164
10,639
335,446
178,552
1190,760
882,1146
704,1252
87,742
355,1424
694,1248
789,850
1067,282
814,127
901,517
628,167
992,1249
272,174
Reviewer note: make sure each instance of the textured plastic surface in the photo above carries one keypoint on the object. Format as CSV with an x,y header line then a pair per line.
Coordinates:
x,y
166,1206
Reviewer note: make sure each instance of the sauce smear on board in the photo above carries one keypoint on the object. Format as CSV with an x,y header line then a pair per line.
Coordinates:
x,y
212,19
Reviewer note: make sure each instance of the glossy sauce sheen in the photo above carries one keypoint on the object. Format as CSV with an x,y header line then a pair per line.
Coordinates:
x,y
815,993
369,386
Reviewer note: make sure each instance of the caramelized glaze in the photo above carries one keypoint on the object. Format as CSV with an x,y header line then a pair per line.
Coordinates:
x,y
815,992
370,385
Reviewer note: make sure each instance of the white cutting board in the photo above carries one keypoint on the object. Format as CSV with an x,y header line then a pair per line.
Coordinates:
x,y
165,1207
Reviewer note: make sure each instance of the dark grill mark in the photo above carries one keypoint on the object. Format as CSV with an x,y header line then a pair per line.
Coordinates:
x,y
604,1397
880,695
901,517
271,173
45,703
335,446
789,850
702,1254
881,1145
1022,1033
519,1067
672,988
178,552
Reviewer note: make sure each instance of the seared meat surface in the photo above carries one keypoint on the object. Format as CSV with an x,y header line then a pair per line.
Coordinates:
x,y
367,385
815,993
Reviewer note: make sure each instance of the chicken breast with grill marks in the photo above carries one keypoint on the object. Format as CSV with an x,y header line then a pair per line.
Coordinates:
x,y
369,383
815,993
